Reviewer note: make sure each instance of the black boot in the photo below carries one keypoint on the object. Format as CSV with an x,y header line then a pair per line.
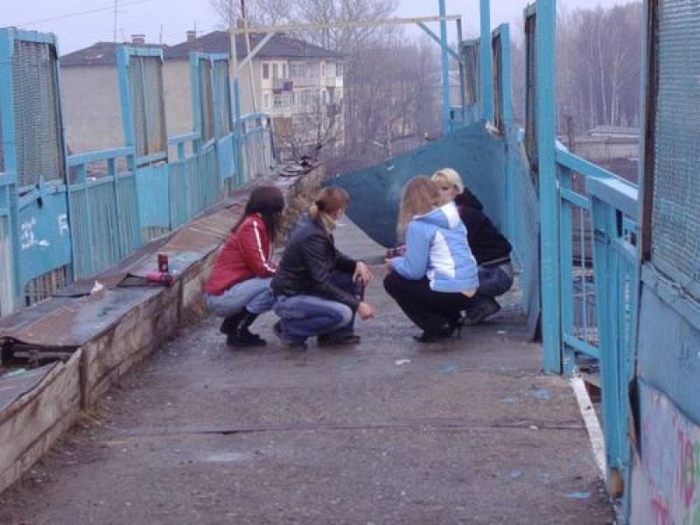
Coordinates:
x,y
228,326
242,336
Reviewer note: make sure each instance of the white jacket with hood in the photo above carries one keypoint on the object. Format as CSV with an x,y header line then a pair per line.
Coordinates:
x,y
436,247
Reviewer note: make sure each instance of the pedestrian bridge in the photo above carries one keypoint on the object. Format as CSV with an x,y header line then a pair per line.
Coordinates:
x,y
607,279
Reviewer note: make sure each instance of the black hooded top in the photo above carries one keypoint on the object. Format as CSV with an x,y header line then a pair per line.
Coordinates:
x,y
488,245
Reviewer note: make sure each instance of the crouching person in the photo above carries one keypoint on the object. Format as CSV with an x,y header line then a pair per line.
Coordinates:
x,y
318,287
436,277
489,246
238,288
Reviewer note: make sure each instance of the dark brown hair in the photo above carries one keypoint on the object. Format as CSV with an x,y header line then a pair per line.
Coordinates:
x,y
268,202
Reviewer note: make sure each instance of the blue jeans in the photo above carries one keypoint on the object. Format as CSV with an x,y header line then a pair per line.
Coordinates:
x,y
495,280
306,316
252,294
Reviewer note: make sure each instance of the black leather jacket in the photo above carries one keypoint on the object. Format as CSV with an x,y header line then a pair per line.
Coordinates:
x,y
309,258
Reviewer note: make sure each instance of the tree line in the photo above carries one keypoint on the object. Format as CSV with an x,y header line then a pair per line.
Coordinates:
x,y
598,63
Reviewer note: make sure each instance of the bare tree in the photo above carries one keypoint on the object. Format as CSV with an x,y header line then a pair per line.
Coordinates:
x,y
623,51
314,132
395,99
345,39
598,68
257,12
391,91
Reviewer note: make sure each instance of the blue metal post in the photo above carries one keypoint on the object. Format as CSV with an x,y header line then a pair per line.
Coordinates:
x,y
445,70
237,125
486,62
549,199
125,91
8,184
462,76
507,115
506,100
195,74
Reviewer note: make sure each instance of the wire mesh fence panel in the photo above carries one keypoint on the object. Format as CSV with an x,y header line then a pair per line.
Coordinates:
x,y
37,125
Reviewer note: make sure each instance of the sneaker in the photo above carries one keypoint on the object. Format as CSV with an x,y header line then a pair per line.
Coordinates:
x,y
291,344
326,340
486,307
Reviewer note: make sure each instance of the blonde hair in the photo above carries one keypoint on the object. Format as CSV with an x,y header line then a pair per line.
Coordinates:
x,y
449,177
419,196
329,200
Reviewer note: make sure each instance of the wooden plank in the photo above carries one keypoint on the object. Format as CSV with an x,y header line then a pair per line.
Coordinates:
x,y
37,418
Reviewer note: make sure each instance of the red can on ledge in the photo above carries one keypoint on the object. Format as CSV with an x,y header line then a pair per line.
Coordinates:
x,y
163,266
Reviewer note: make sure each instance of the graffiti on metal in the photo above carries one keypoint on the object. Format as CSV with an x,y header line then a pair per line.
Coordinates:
x,y
669,477
27,237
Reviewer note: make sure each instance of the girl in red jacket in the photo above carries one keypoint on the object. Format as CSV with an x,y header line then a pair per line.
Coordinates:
x,y
238,288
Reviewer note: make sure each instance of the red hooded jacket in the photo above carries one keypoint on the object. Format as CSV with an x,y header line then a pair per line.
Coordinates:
x,y
245,254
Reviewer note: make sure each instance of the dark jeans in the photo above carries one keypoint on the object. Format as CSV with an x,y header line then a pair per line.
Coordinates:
x,y
495,280
429,310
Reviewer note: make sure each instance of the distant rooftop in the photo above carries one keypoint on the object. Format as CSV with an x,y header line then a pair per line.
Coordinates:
x,y
98,54
279,46
614,131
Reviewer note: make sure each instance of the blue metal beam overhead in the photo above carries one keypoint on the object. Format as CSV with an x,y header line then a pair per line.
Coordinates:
x,y
445,70
486,62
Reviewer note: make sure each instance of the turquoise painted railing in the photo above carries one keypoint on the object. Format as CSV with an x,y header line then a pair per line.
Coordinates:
x,y
194,182
590,258
116,208
257,153
103,204
66,217
617,263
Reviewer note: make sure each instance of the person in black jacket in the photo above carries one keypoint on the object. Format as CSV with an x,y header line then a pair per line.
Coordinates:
x,y
489,246
318,288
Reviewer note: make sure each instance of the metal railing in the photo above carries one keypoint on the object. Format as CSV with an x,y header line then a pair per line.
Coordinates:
x,y
81,214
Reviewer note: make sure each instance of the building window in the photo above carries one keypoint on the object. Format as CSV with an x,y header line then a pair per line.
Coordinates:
x,y
313,72
275,71
283,101
265,70
266,100
339,70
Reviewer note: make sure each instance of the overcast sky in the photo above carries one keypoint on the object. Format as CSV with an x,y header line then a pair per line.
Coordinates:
x,y
80,23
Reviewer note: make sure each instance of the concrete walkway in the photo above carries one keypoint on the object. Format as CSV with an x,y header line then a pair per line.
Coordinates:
x,y
466,431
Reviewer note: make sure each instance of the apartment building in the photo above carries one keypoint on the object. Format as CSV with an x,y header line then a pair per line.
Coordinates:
x,y
299,83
